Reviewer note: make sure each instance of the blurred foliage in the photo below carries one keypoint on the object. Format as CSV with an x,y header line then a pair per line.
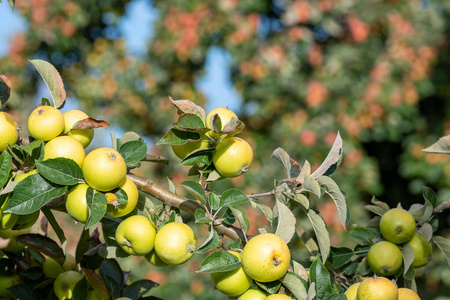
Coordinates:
x,y
376,71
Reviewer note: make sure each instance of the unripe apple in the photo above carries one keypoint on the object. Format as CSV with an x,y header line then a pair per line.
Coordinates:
x,y
422,250
45,123
385,258
175,243
379,288
132,192
232,157
65,146
253,294
397,226
136,235
76,204
225,116
65,283
84,136
8,130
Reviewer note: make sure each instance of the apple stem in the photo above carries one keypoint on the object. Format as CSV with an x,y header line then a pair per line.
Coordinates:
x,y
127,243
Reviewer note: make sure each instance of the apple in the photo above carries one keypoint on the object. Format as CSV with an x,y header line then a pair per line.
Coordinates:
x,y
123,209
266,257
8,130
7,219
175,243
26,221
422,250
104,169
84,136
232,157
136,235
232,283
253,294
378,288
93,295
21,176
183,150
385,258
45,123
352,290
397,226
225,116
407,294
65,146
52,268
76,204
65,283
154,259
5,283
278,297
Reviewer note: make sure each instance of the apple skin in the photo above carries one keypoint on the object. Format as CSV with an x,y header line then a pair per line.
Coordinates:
x,y
181,151
407,294
65,146
65,283
133,196
136,235
7,220
84,136
422,250
175,243
8,130
45,123
278,297
397,226
5,283
232,157
154,259
232,283
266,257
52,268
76,204
225,116
352,291
385,258
104,169
253,294
379,288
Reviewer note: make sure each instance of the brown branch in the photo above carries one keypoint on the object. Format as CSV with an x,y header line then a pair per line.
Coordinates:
x,y
441,207
187,205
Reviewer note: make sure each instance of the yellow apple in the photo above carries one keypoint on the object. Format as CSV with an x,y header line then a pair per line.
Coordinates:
x,y
278,297
253,294
45,123
352,290
155,260
76,204
175,243
183,150
379,288
225,116
266,257
84,136
104,169
385,258
407,294
133,195
136,235
8,130
65,146
232,157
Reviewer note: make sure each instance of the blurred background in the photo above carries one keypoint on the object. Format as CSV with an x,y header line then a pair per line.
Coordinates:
x,y
296,72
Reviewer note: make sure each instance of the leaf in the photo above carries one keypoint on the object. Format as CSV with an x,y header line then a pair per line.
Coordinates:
x,y
332,189
139,288
271,287
213,201
362,234
36,144
333,159
26,201
55,225
320,229
42,244
109,252
441,146
430,195
305,172
96,202
264,208
295,285
233,197
63,171
111,271
312,291
88,123
178,137
311,185
199,158
427,231
233,127
81,290
282,156
11,4
200,216
340,256
190,122
241,218
195,190
309,242
444,245
408,257
300,270
285,220
5,88
219,261
375,209
52,79
211,243
302,200
5,167
187,106
428,212
321,277
133,151
235,245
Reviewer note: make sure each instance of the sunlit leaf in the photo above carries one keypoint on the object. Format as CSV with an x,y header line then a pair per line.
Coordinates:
x,y
52,79
443,244
282,156
219,261
321,231
441,146
195,190
285,220
5,167
332,189
211,243
295,285
63,171
332,161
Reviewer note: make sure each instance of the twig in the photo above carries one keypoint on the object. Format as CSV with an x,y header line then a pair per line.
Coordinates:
x,y
441,207
187,205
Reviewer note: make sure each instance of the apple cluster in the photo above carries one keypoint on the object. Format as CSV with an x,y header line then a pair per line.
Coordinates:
x,y
379,288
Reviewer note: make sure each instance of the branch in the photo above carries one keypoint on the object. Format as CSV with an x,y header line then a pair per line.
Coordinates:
x,y
187,205
441,207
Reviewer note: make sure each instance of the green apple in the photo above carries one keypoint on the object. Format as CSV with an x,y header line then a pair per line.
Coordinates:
x,y
155,260
8,130
45,123
422,250
397,226
120,210
5,283
378,288
65,283
385,258
253,294
175,243
232,157
65,146
136,235
76,204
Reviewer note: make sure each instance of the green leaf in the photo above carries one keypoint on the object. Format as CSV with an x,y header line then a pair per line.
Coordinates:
x,y
195,190
139,288
362,234
178,137
5,83
5,167
211,243
130,136
52,79
302,200
213,201
312,291
322,234
309,242
96,202
187,106
311,185
241,218
133,151
35,147
81,290
236,244
42,244
332,189
430,195
271,287
26,200
233,197
189,122
333,159
427,231
340,256
109,252
219,261
200,158
111,271
282,156
285,220
444,245
441,146
375,209
408,257
200,216
428,212
296,285
267,211
11,4
321,277
55,225
305,172
63,171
